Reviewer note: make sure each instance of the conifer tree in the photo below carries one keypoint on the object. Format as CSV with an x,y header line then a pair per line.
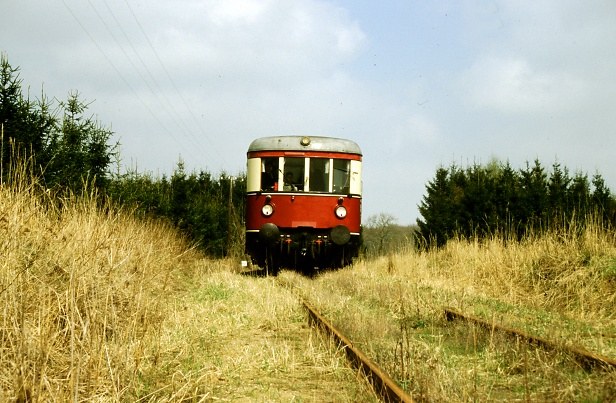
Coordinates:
x,y
579,196
604,203
557,195
481,201
534,195
506,196
80,149
436,210
66,150
26,125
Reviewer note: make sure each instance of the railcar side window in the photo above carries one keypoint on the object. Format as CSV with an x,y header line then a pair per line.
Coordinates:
x,y
341,176
269,174
319,175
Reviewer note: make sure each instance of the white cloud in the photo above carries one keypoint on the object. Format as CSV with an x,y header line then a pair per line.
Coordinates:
x,y
544,57
225,12
465,79
237,63
512,85
254,38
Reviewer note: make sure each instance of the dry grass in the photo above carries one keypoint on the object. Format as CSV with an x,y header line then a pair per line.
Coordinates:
x,y
97,306
79,288
561,286
252,336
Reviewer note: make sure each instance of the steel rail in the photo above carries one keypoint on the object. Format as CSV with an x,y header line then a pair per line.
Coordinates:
x,y
586,358
383,384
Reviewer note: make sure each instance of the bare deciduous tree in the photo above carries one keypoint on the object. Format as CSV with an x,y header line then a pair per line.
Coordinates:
x,y
379,228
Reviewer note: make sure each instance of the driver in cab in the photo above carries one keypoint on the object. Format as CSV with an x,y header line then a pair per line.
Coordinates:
x,y
288,182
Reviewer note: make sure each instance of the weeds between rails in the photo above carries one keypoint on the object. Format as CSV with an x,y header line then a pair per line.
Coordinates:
x,y
586,358
392,307
383,385
536,371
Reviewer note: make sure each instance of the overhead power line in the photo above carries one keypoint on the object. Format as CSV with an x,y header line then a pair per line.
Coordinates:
x,y
151,83
171,80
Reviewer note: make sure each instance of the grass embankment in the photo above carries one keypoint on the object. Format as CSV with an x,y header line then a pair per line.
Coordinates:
x,y
97,306
561,286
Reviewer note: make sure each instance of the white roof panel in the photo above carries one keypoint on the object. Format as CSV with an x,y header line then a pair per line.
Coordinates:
x,y
304,143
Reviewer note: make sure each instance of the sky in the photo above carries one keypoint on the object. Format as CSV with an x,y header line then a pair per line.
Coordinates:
x,y
417,84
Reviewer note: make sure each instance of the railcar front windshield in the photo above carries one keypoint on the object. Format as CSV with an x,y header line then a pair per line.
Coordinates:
x,y
341,176
302,174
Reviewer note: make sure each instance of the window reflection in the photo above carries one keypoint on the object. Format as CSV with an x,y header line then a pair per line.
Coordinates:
x,y
287,174
269,174
341,176
319,175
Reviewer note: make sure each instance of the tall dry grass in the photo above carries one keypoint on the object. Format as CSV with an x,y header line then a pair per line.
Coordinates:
x,y
82,291
98,306
571,273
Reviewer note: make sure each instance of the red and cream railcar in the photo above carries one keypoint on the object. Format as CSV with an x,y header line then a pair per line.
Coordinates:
x,y
303,201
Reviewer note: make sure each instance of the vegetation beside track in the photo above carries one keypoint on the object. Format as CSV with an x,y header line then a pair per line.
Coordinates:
x,y
98,305
560,286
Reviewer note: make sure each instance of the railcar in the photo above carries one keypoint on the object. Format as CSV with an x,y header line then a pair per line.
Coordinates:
x,y
303,202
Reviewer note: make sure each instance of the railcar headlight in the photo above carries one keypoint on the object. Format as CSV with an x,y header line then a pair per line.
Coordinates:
x,y
340,211
267,210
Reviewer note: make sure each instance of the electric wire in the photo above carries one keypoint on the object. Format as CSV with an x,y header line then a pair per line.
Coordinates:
x,y
169,77
157,91
112,64
168,107
162,110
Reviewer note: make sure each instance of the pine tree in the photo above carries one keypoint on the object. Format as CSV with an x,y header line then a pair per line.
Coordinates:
x,y
602,200
579,196
557,195
534,196
436,209
66,151
80,149
506,196
27,126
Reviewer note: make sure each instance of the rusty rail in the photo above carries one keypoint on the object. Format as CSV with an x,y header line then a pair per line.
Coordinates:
x,y
586,358
383,384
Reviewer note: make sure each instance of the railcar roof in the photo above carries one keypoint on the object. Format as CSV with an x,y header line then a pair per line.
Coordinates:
x,y
304,143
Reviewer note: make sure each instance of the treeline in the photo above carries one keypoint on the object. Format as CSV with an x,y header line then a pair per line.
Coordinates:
x,y
60,143
68,151
481,201
206,209
381,235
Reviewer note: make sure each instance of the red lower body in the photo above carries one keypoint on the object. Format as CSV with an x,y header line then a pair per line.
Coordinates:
x,y
303,229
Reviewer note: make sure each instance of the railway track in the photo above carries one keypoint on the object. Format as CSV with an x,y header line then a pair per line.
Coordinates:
x,y
384,386
602,367
587,359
